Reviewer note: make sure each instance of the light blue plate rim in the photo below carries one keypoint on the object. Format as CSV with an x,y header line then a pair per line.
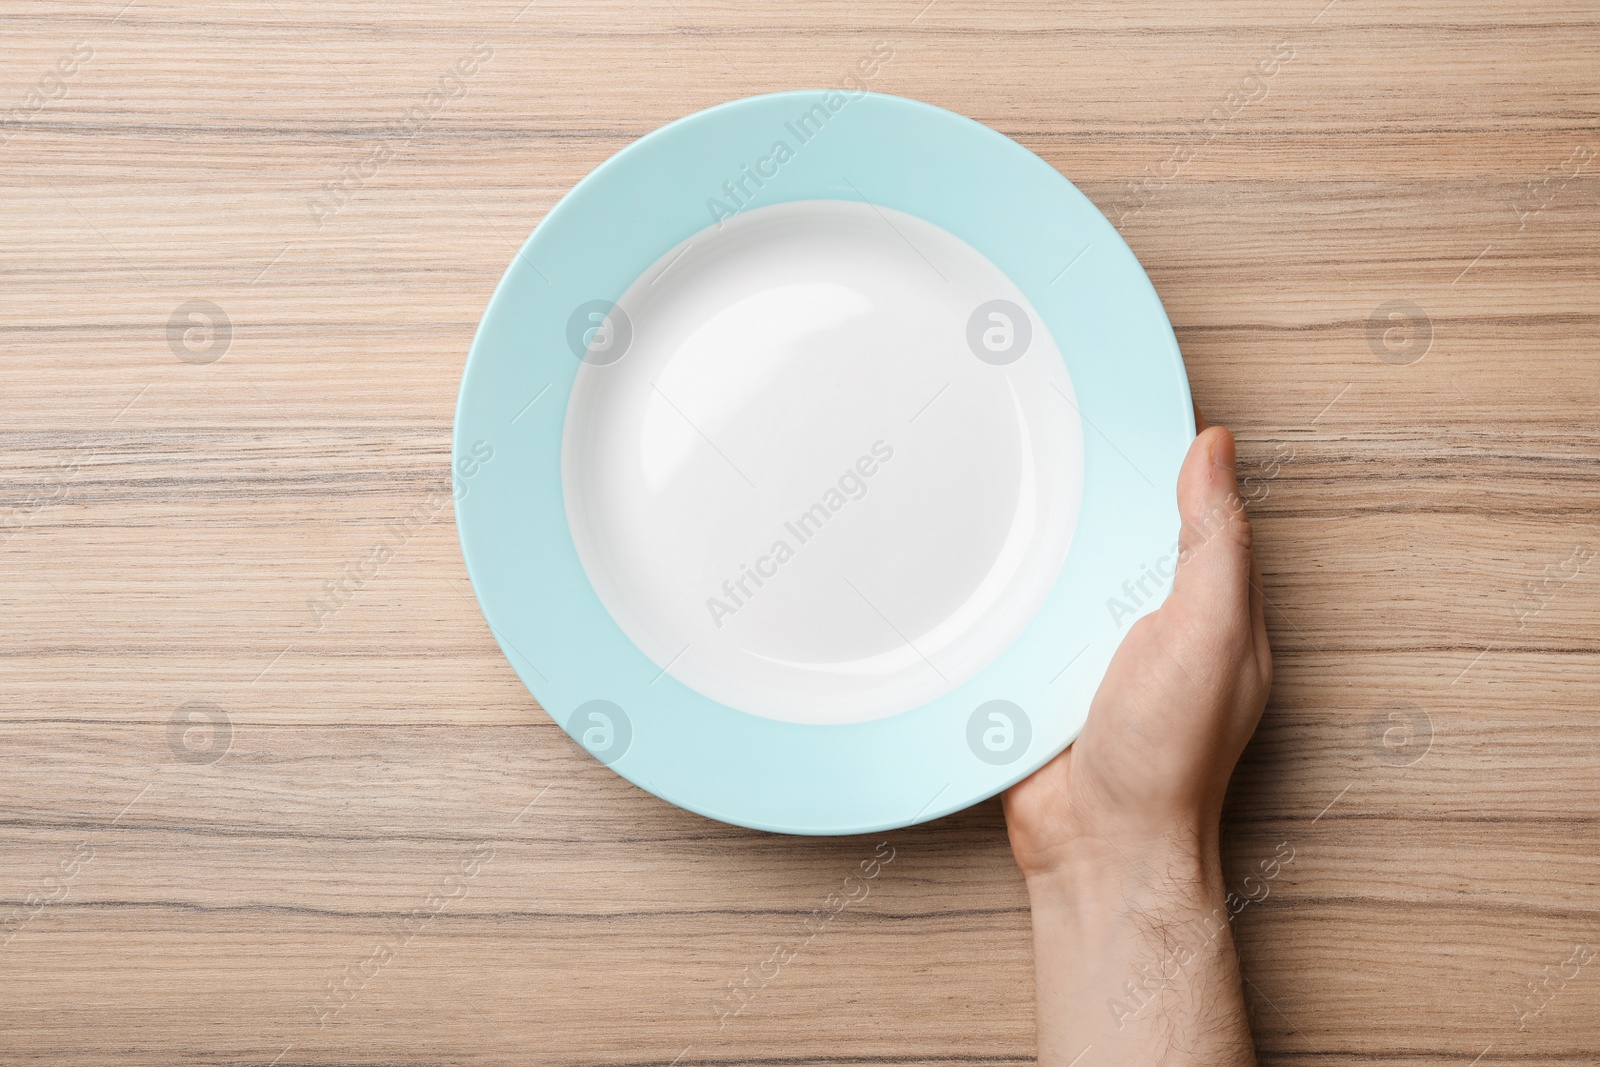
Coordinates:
x,y
1080,277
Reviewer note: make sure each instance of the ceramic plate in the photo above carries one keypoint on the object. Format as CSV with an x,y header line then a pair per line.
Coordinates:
x,y
814,455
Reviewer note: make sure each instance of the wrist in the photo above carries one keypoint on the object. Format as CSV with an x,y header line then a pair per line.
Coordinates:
x,y
1173,871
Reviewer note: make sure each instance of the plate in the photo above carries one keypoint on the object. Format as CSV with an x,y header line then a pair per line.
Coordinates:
x,y
813,456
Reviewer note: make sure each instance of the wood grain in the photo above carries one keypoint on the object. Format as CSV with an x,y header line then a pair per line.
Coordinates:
x,y
166,522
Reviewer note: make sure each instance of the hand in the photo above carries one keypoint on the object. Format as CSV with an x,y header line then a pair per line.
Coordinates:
x,y
1179,701
1117,837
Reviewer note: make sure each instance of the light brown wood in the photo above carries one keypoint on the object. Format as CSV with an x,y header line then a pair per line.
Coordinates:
x,y
167,522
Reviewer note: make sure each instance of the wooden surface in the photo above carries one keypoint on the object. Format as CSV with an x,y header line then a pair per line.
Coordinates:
x,y
216,895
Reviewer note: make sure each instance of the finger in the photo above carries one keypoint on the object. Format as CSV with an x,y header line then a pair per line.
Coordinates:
x,y
1214,544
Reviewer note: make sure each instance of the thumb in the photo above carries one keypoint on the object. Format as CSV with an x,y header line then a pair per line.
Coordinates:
x,y
1214,558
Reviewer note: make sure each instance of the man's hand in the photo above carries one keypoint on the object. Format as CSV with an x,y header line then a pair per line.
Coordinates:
x,y
1118,836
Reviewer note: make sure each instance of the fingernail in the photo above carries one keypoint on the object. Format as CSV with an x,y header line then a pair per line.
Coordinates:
x,y
1222,451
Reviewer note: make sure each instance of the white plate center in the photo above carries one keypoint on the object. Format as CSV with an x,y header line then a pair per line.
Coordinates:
x,y
824,463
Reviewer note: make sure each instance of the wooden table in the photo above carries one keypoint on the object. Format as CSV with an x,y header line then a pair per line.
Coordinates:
x,y
239,285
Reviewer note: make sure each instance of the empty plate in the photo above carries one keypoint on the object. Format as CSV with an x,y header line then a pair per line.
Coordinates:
x,y
813,456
